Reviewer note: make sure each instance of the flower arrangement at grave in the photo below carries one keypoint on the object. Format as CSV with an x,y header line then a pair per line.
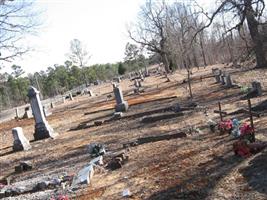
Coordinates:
x,y
247,132
241,148
235,128
225,126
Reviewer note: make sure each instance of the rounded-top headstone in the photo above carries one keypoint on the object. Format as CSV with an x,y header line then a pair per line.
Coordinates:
x,y
32,92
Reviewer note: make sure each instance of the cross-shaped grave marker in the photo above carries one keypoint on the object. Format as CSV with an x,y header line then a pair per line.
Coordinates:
x,y
249,112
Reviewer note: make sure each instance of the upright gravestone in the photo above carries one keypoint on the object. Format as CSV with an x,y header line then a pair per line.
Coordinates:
x,y
28,113
121,105
90,92
256,86
214,70
71,97
47,112
42,128
20,141
222,77
17,113
217,74
228,81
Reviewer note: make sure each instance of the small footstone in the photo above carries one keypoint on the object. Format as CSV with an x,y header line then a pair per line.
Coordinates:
x,y
20,141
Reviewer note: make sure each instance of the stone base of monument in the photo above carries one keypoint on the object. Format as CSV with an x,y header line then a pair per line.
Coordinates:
x,y
122,107
43,131
19,146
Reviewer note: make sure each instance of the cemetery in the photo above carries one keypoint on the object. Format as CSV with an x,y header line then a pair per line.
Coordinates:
x,y
154,144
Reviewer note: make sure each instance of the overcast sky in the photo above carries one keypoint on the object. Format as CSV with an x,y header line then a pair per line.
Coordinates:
x,y
100,24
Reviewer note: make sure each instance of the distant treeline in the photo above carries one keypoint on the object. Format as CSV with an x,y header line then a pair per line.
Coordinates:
x,y
58,79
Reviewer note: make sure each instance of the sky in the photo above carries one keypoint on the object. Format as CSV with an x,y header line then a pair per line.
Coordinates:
x,y
100,24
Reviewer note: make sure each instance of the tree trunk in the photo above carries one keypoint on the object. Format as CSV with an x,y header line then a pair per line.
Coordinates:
x,y
202,49
256,37
189,84
165,62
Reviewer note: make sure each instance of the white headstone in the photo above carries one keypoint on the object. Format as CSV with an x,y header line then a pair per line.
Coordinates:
x,y
20,141
84,176
42,128
90,92
71,97
121,105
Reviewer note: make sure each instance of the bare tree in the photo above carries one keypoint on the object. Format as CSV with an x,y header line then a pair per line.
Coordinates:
x,y
78,53
150,31
249,11
17,19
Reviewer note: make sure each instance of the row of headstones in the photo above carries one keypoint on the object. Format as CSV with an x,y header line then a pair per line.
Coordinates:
x,y
42,128
225,79
222,77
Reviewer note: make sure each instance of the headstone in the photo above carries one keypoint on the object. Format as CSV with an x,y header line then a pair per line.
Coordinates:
x,y
42,128
217,74
46,112
84,176
136,83
63,99
228,81
222,77
121,105
71,97
17,113
28,113
20,141
256,86
214,71
90,92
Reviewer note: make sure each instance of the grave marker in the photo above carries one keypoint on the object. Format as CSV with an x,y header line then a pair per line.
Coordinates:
x,y
42,128
71,97
20,141
217,74
90,92
256,86
121,105
222,78
251,119
228,81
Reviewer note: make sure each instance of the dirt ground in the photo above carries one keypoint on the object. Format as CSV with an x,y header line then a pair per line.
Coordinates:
x,y
199,166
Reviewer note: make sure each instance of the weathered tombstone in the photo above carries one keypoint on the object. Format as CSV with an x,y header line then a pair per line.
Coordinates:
x,y
256,86
17,113
222,77
28,113
214,71
217,74
90,92
46,112
228,81
84,176
71,97
20,141
121,105
42,128
136,83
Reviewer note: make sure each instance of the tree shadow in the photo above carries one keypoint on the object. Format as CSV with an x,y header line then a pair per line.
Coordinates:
x,y
204,178
256,174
